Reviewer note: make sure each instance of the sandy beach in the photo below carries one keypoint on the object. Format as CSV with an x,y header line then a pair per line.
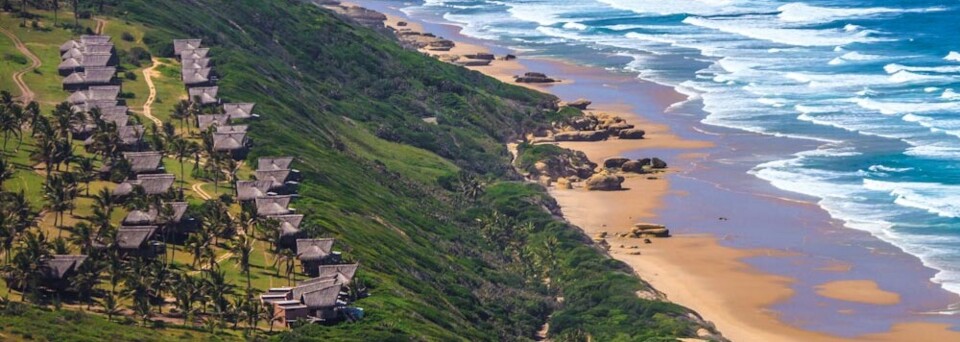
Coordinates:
x,y
694,270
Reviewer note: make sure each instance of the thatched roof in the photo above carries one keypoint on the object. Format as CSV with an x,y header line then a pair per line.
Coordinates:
x,y
289,224
229,141
152,184
195,53
343,273
195,63
94,39
59,265
91,76
150,217
95,93
231,129
180,45
111,111
133,237
250,190
207,120
207,95
273,205
118,119
277,178
69,64
313,285
195,76
144,161
238,110
314,249
70,44
274,163
89,105
322,298
75,53
130,135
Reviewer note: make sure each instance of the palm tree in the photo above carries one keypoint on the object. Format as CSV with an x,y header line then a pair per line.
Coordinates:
x,y
181,111
218,289
6,171
241,248
199,244
29,261
83,237
58,198
269,315
111,305
56,7
181,148
9,124
85,173
86,279
76,13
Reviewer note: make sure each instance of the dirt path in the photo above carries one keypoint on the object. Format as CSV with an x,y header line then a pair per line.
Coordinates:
x,y
198,189
101,24
148,75
26,95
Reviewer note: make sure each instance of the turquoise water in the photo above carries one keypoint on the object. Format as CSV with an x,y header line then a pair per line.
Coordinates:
x,y
875,84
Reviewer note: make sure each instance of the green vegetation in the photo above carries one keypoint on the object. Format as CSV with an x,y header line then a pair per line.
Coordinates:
x,y
20,322
449,247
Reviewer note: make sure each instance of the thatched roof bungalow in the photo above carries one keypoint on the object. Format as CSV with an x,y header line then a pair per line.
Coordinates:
x,y
90,77
229,141
274,163
278,178
232,129
181,45
273,205
58,269
250,190
194,77
195,63
207,120
144,162
136,241
153,184
95,93
195,53
315,252
343,272
152,216
239,110
204,95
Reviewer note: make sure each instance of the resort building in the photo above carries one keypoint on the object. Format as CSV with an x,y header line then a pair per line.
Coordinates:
x,y
273,205
155,184
204,95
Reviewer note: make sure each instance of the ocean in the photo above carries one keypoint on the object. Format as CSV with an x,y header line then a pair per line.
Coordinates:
x,y
873,85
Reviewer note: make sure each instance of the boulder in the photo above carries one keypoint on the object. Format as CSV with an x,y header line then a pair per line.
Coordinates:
x,y
580,104
509,57
581,136
534,77
657,163
473,62
645,230
401,23
604,182
563,183
614,162
631,133
616,128
583,123
481,55
632,166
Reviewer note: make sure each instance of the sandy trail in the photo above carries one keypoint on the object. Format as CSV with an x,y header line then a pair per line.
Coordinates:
x,y
26,95
148,75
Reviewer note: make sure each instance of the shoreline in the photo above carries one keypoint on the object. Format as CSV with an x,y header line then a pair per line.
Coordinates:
x,y
693,270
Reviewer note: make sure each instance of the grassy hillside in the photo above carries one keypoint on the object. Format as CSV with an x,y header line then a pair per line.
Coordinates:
x,y
450,245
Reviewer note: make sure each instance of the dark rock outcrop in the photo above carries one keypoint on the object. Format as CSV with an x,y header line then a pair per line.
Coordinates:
x,y
581,136
614,162
580,104
604,182
631,133
657,163
632,166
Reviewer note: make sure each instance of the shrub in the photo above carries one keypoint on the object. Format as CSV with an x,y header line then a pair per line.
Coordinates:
x,y
15,58
130,75
127,36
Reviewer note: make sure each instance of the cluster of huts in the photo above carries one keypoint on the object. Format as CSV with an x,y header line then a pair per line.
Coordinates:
x,y
322,298
89,67
198,75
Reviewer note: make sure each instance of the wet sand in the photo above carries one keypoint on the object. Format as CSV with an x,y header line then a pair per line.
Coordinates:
x,y
693,270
